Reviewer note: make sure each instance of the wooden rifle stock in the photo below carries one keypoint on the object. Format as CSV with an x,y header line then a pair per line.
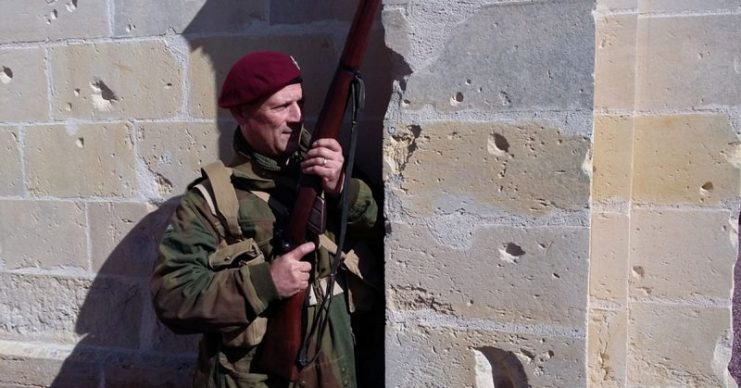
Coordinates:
x,y
282,341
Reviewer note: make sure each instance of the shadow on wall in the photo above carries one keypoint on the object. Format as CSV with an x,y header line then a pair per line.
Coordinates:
x,y
734,367
124,345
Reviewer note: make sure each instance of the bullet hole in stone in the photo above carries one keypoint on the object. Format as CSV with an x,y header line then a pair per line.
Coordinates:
x,y
103,97
468,82
6,75
168,85
71,6
405,102
514,249
456,99
497,368
708,186
130,28
504,98
510,253
556,276
77,92
68,107
52,16
497,145
80,142
638,272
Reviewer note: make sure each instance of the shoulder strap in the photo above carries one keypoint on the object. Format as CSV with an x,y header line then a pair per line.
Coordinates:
x,y
225,202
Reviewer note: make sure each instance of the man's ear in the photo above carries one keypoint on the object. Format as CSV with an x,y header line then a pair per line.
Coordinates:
x,y
237,114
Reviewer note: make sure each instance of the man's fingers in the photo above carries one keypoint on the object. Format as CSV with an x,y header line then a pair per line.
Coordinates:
x,y
330,143
300,251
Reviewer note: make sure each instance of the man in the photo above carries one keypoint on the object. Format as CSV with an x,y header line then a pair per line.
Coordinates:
x,y
228,300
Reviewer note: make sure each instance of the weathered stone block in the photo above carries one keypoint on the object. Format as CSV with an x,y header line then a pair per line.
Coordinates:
x,y
525,168
703,73
542,271
307,11
25,21
690,248
102,312
612,157
31,371
149,372
88,159
24,92
42,234
10,162
606,6
211,59
125,236
609,257
512,57
606,348
115,80
466,357
143,18
615,62
674,345
175,152
686,6
684,159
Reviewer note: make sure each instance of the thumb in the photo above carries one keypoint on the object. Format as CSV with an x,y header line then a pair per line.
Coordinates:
x,y
301,251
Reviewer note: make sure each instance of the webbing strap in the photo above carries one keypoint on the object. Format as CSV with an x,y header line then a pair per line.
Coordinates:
x,y
224,195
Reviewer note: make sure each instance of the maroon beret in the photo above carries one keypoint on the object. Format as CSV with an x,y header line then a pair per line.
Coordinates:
x,y
256,75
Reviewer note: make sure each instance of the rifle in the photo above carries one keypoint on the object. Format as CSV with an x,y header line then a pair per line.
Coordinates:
x,y
282,341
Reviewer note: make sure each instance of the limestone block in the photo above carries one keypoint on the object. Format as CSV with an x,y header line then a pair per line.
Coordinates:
x,y
615,62
211,58
115,80
541,270
606,348
42,234
525,168
512,57
459,357
307,11
10,162
607,6
145,18
149,372
124,237
175,152
76,160
612,157
29,371
684,159
674,345
685,6
702,72
105,312
26,21
23,84
609,258
681,254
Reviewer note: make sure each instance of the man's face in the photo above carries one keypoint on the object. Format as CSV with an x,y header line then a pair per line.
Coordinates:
x,y
273,127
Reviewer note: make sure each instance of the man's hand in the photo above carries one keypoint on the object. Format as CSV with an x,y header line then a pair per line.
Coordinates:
x,y
290,274
325,160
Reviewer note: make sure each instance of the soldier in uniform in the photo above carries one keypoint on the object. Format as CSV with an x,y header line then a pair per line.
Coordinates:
x,y
228,299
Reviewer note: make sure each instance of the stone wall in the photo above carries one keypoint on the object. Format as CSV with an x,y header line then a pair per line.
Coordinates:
x,y
561,181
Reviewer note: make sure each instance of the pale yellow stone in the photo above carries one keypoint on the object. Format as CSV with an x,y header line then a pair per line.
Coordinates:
x,y
612,156
681,254
115,80
675,345
688,62
609,257
687,5
211,59
24,93
684,159
616,5
607,347
43,234
175,152
614,67
521,168
10,162
77,160
25,21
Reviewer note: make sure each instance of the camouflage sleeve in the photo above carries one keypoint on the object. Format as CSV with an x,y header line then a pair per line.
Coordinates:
x,y
189,296
363,208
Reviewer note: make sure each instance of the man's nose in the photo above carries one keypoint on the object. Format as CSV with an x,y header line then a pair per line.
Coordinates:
x,y
295,112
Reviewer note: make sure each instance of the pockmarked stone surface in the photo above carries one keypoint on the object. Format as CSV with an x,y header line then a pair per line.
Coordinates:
x,y
175,152
606,347
42,234
512,57
115,80
460,357
541,270
29,21
89,159
674,345
10,161
681,254
705,72
146,18
612,156
685,159
615,58
23,84
609,257
211,58
524,168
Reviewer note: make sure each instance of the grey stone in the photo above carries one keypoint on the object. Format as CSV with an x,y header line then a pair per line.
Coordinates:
x,y
10,162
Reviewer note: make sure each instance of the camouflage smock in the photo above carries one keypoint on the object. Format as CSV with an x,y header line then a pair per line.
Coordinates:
x,y
191,296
